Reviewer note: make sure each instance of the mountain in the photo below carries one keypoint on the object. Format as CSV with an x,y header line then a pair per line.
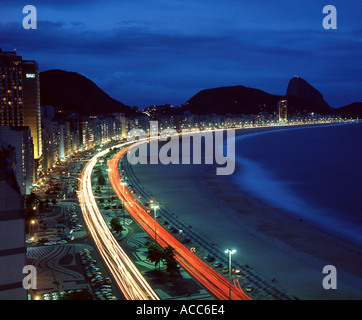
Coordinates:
x,y
71,91
300,88
353,110
235,99
245,100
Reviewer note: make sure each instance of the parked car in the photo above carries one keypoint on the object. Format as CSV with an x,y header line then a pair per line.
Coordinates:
x,y
209,258
225,270
51,243
217,264
55,296
67,238
249,288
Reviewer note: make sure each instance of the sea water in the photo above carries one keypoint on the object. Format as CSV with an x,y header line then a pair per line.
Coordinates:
x,y
313,173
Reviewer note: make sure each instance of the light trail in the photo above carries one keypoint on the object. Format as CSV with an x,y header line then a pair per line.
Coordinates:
x,y
128,278
205,274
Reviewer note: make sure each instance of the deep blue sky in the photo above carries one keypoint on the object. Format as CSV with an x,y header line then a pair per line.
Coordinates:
x,y
144,52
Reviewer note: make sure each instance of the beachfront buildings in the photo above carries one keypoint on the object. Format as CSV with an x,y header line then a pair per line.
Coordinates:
x,y
12,226
20,141
20,95
31,98
20,109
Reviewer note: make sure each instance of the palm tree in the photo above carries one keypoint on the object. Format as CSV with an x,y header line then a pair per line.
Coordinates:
x,y
155,253
169,258
116,225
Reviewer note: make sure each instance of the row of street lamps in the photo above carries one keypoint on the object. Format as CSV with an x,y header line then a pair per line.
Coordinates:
x,y
230,252
155,207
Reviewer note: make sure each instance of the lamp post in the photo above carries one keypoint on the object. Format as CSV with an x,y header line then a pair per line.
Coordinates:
x,y
109,182
230,252
31,231
124,207
155,207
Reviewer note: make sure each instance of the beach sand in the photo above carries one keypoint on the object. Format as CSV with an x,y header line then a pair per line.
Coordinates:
x,y
273,243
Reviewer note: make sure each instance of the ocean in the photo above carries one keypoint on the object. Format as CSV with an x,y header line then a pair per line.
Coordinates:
x,y
313,173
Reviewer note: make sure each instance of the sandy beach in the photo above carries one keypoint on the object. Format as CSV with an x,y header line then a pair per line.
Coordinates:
x,y
275,244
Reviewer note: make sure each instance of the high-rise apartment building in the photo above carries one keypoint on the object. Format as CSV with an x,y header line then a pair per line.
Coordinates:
x,y
12,227
20,96
31,97
11,86
282,110
20,139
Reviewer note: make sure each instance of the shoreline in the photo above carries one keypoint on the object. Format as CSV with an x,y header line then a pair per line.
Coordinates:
x,y
275,245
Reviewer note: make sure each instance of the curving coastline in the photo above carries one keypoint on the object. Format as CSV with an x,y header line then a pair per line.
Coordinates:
x,y
277,246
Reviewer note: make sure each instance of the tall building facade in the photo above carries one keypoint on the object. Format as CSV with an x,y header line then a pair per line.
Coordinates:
x,y
51,142
12,230
283,110
11,86
20,96
19,138
31,97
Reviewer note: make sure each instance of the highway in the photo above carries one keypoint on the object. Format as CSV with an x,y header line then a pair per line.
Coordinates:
x,y
128,278
212,280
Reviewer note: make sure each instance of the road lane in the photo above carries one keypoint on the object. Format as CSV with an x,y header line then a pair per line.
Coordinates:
x,y
130,281
206,275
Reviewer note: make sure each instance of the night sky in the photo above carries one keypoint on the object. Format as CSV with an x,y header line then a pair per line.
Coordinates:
x,y
144,52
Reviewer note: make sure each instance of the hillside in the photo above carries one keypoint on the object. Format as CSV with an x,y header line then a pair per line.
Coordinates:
x,y
353,110
301,89
71,91
244,100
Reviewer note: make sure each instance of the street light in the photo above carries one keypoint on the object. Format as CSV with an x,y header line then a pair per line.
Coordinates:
x,y
124,207
109,182
230,252
155,207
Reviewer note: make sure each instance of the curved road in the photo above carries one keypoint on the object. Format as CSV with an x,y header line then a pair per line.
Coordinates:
x,y
206,275
128,278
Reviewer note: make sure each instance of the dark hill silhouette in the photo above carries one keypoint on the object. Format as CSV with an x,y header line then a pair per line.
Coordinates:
x,y
353,110
71,91
244,100
300,88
